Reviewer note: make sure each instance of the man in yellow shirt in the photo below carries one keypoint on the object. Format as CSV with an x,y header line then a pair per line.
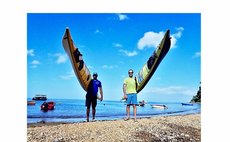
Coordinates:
x,y
130,93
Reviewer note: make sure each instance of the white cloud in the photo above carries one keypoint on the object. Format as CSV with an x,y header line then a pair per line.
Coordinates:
x,y
98,31
109,66
150,39
30,52
176,36
35,63
196,55
153,39
117,45
122,17
180,29
68,76
171,90
173,42
128,53
61,58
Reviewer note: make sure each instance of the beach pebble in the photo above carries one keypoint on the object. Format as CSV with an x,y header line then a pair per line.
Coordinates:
x,y
165,128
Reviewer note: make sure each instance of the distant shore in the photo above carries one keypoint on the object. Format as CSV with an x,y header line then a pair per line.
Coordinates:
x,y
161,128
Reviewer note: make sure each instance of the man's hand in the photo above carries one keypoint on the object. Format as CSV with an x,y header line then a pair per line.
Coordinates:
x,y
101,98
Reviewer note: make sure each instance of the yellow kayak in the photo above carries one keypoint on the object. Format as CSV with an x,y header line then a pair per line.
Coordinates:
x,y
153,62
81,71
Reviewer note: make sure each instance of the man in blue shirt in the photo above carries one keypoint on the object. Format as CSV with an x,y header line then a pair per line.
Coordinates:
x,y
91,96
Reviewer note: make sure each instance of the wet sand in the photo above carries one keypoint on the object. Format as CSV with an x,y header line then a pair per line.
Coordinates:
x,y
159,128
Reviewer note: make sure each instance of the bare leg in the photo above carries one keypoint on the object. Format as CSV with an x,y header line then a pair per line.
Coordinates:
x,y
128,111
93,113
135,112
87,114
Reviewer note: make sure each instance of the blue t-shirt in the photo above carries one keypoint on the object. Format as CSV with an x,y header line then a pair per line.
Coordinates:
x,y
93,87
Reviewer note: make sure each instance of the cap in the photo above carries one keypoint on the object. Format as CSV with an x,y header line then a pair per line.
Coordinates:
x,y
95,74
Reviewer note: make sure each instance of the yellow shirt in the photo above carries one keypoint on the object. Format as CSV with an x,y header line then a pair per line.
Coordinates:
x,y
130,85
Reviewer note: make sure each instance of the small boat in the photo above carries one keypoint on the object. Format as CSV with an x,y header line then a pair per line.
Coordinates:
x,y
187,104
40,97
31,102
47,106
142,103
123,100
159,106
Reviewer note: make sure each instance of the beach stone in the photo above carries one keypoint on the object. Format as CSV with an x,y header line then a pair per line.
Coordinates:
x,y
180,128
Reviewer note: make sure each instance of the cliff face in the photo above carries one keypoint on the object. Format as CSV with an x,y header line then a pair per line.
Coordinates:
x,y
197,98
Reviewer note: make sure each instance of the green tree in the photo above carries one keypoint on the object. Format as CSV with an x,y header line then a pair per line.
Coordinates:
x,y
197,98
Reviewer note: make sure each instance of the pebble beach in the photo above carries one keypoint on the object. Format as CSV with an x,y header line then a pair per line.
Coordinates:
x,y
159,128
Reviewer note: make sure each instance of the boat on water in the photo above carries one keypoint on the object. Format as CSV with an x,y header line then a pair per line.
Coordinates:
x,y
187,104
40,97
159,106
142,103
48,106
123,100
31,102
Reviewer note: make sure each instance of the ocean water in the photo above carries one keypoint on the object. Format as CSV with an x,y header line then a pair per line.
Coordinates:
x,y
69,110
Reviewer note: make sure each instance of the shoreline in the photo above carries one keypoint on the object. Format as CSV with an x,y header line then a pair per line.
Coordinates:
x,y
42,123
98,118
182,127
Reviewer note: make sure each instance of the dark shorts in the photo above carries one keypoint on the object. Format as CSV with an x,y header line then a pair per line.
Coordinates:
x,y
91,100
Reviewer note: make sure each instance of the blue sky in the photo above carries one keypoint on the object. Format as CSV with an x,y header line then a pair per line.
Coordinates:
x,y
111,44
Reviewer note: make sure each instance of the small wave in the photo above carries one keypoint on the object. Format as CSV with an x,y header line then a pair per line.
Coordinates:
x,y
61,117
114,115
